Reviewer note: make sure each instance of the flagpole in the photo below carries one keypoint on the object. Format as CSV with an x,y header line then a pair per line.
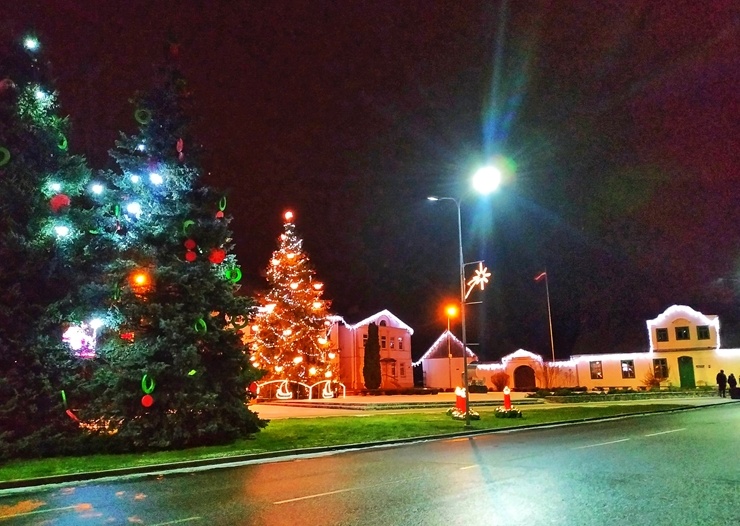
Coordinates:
x,y
549,315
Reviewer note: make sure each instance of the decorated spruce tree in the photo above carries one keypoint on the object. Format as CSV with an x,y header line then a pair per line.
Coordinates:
x,y
169,368
289,330
45,211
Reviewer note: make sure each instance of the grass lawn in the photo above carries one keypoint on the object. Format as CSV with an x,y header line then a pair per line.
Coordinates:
x,y
296,433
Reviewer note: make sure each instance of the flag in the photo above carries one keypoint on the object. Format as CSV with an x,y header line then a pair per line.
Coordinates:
x,y
541,275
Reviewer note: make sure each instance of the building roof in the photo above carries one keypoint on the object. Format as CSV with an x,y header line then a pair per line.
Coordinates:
x,y
439,349
393,320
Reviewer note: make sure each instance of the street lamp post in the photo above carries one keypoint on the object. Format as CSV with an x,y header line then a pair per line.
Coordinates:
x,y
485,181
451,311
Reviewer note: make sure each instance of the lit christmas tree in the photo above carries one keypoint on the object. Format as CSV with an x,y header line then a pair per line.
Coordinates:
x,y
170,367
45,212
289,330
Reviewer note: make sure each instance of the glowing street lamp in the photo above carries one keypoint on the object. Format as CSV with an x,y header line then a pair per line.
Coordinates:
x,y
485,181
451,311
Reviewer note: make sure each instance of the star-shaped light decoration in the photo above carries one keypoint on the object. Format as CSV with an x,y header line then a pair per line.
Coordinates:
x,y
480,279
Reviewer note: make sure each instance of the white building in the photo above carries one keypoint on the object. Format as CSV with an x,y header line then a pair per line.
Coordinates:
x,y
395,350
684,351
443,362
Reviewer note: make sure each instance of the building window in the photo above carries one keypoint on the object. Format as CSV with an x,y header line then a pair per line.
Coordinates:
x,y
628,368
660,368
702,332
682,333
393,343
400,344
403,371
661,335
393,369
382,323
596,373
382,342
364,339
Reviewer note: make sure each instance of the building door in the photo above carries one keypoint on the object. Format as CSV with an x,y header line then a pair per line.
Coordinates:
x,y
686,372
524,378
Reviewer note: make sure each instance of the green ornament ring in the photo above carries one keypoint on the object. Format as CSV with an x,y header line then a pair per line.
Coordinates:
x,y
186,224
238,325
222,204
4,156
233,274
147,384
143,116
62,143
200,326
64,398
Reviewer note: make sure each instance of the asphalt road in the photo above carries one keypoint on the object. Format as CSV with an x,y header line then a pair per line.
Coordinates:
x,y
680,468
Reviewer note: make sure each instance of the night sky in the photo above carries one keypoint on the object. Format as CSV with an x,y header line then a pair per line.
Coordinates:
x,y
622,118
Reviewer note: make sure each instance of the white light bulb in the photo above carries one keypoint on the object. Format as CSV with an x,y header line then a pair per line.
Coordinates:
x,y
55,187
134,209
155,178
141,147
96,323
135,179
97,188
61,230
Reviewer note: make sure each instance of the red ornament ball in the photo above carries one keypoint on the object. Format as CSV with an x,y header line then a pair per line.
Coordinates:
x,y
147,400
189,244
220,214
190,256
217,256
253,388
58,202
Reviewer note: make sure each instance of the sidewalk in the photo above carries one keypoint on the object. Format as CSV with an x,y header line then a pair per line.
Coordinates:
x,y
362,405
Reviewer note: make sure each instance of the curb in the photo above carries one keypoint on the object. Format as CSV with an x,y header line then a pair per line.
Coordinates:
x,y
21,485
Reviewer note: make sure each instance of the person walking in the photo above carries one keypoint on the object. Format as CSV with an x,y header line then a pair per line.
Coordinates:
x,y
722,382
732,383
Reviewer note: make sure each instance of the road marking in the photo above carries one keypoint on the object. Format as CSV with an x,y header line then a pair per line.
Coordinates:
x,y
178,521
36,512
603,443
666,432
319,495
345,490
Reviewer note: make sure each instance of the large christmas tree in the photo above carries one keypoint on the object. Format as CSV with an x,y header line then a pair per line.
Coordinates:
x,y
170,368
45,212
289,330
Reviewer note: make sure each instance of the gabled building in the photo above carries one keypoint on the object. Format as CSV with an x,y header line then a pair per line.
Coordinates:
x,y
348,341
443,363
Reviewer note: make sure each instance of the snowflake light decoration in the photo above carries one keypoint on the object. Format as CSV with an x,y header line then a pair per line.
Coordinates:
x,y
480,279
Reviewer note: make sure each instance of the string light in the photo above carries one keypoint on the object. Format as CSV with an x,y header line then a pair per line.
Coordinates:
x,y
31,43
